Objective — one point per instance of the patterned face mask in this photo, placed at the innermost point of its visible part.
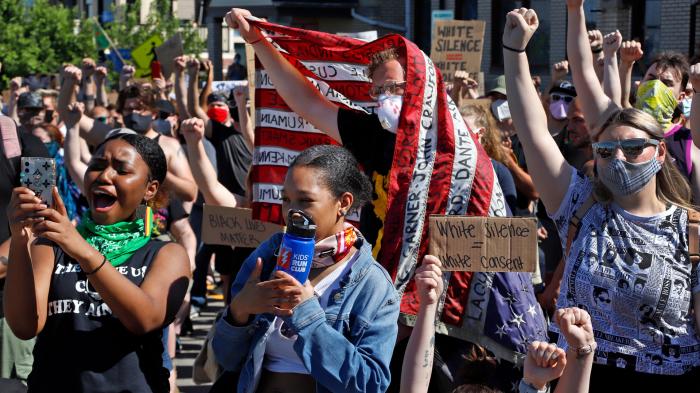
(627, 178)
(656, 99)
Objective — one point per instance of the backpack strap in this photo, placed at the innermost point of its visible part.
(575, 222)
(694, 236)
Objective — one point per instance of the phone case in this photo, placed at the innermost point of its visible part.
(39, 175)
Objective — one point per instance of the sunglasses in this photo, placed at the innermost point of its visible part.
(101, 119)
(631, 148)
(391, 88)
(567, 99)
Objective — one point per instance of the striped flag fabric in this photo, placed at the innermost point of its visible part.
(438, 168)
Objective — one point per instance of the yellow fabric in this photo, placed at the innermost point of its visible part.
(656, 99)
(381, 189)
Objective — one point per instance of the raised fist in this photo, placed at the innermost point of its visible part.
(429, 280)
(544, 363)
(180, 63)
(74, 114)
(595, 38)
(240, 94)
(560, 70)
(207, 65)
(192, 129)
(100, 74)
(521, 24)
(575, 324)
(631, 51)
(16, 83)
(611, 43)
(72, 74)
(88, 67)
(192, 66)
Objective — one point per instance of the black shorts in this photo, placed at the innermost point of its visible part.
(228, 260)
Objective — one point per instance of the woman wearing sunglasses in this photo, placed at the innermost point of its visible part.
(633, 224)
(333, 333)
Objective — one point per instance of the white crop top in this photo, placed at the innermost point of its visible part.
(280, 356)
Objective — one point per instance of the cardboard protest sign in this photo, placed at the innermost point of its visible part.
(144, 54)
(235, 227)
(167, 52)
(457, 45)
(484, 244)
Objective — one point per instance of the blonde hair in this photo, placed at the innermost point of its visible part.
(491, 136)
(671, 185)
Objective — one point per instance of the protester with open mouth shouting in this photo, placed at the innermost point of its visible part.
(98, 296)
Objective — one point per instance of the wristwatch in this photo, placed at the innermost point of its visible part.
(583, 350)
(527, 387)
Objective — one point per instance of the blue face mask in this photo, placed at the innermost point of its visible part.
(685, 107)
(52, 147)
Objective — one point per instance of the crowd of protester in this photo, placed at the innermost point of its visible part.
(100, 285)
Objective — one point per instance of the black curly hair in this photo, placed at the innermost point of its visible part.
(148, 149)
(340, 172)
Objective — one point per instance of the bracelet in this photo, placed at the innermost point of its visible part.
(256, 41)
(104, 260)
(584, 350)
(513, 49)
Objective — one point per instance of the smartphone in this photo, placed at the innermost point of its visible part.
(39, 175)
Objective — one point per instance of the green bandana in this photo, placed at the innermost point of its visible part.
(119, 241)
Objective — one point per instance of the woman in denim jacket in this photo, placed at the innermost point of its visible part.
(335, 333)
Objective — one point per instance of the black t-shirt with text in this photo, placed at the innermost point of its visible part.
(84, 347)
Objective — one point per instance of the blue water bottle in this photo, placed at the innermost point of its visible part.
(297, 249)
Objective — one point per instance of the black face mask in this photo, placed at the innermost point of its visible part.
(137, 122)
(48, 116)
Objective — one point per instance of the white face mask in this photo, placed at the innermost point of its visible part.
(389, 111)
(500, 109)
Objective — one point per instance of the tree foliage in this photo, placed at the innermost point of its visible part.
(40, 38)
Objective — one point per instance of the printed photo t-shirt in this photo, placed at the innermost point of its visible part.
(633, 276)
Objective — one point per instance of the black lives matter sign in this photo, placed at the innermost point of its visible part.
(457, 46)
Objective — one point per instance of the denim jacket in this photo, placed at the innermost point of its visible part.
(347, 347)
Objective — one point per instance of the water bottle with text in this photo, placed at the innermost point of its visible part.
(296, 252)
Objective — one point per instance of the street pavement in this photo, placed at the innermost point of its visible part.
(191, 346)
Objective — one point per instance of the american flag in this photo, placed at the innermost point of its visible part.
(438, 163)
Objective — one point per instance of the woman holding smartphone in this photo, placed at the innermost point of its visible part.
(98, 296)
